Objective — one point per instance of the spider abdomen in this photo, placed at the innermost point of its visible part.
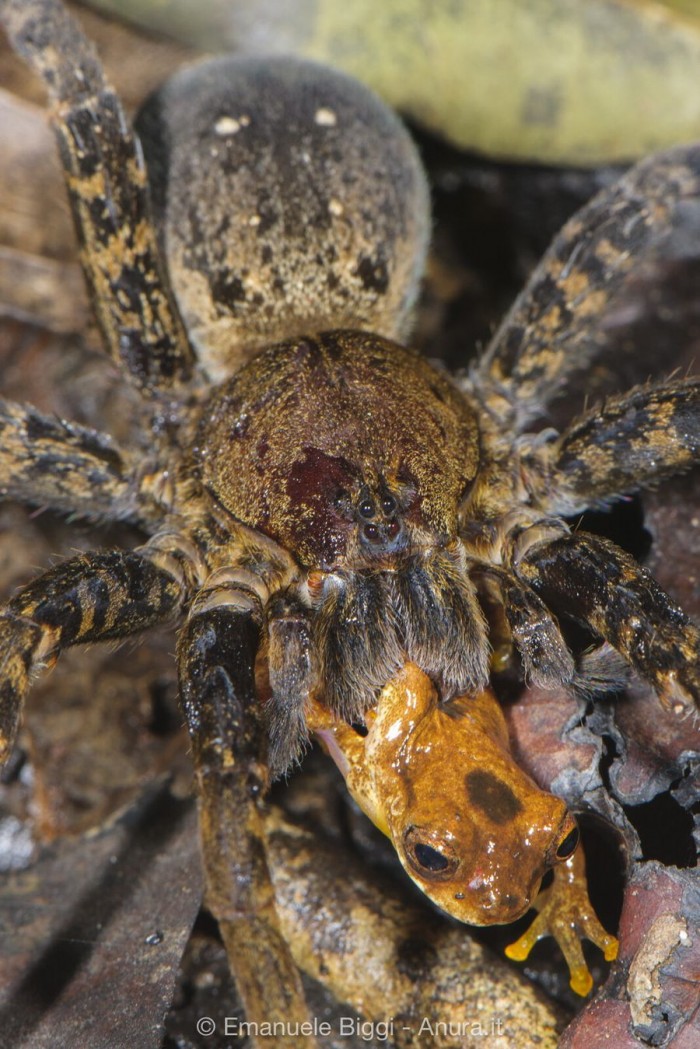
(290, 199)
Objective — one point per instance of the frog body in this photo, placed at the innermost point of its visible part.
(471, 828)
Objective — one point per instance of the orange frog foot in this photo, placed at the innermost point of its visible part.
(565, 912)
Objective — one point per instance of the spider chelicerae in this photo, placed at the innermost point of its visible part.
(323, 505)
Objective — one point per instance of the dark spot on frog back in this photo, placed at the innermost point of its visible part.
(492, 796)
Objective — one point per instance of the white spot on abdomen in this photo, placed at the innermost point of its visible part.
(230, 125)
(325, 117)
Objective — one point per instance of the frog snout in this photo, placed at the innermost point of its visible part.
(496, 907)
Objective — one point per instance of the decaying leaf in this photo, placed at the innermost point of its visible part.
(93, 933)
(556, 81)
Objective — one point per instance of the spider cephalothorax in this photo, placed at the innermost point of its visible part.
(365, 498)
(323, 509)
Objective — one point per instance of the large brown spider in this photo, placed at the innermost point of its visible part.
(326, 510)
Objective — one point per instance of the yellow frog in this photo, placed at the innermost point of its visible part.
(472, 830)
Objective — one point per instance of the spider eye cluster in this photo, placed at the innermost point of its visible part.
(387, 506)
(381, 529)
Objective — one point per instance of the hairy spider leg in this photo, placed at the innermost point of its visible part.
(292, 680)
(557, 326)
(216, 658)
(107, 187)
(593, 579)
(92, 597)
(630, 442)
(59, 465)
(545, 655)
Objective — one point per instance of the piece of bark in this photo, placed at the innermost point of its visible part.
(652, 996)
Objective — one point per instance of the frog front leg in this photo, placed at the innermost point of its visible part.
(566, 914)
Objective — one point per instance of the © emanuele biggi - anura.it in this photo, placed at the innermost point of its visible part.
(350, 537)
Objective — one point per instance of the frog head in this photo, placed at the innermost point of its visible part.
(472, 830)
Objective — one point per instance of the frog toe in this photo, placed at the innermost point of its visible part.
(566, 914)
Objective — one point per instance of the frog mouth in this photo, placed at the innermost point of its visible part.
(501, 908)
(347, 750)
(328, 739)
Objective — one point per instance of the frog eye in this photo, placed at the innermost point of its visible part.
(428, 855)
(567, 847)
